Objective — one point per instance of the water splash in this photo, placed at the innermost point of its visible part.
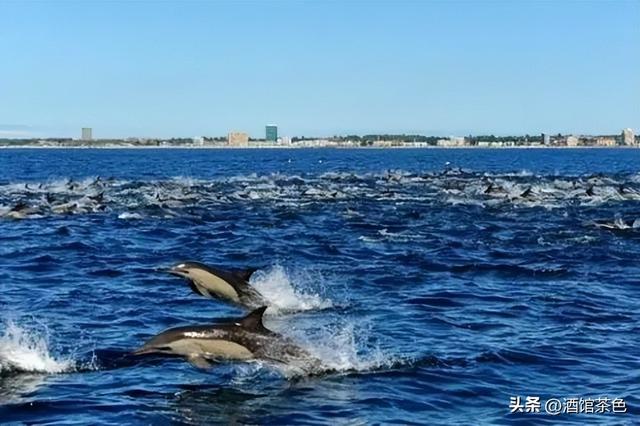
(345, 347)
(129, 216)
(276, 285)
(341, 347)
(24, 351)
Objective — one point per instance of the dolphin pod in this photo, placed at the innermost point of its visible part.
(175, 197)
(242, 339)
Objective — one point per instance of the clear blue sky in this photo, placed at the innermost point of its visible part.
(318, 68)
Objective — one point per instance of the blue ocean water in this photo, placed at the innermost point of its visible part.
(434, 284)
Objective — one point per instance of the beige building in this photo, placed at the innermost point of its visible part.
(628, 137)
(573, 141)
(606, 141)
(452, 141)
(238, 139)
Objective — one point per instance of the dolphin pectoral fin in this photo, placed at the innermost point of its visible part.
(196, 289)
(200, 361)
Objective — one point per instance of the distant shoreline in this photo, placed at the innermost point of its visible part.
(160, 147)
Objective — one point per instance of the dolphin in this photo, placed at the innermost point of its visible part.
(488, 188)
(618, 225)
(71, 185)
(228, 286)
(65, 208)
(49, 198)
(244, 339)
(526, 193)
(98, 198)
(20, 210)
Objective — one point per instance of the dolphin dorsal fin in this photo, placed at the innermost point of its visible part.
(253, 321)
(245, 274)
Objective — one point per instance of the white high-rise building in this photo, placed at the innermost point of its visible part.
(628, 138)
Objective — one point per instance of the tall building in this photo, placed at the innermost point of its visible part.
(271, 133)
(628, 137)
(546, 139)
(238, 139)
(87, 134)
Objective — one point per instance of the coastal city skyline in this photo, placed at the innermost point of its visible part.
(272, 139)
(430, 68)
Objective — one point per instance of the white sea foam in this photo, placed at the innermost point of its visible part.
(341, 347)
(341, 344)
(129, 216)
(397, 236)
(23, 351)
(276, 285)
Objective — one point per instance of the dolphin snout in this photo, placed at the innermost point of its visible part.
(178, 271)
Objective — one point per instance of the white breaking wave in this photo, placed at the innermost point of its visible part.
(276, 286)
(22, 351)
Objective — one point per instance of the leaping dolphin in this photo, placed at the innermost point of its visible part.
(618, 225)
(228, 286)
(242, 339)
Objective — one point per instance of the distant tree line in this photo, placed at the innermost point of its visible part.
(369, 139)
